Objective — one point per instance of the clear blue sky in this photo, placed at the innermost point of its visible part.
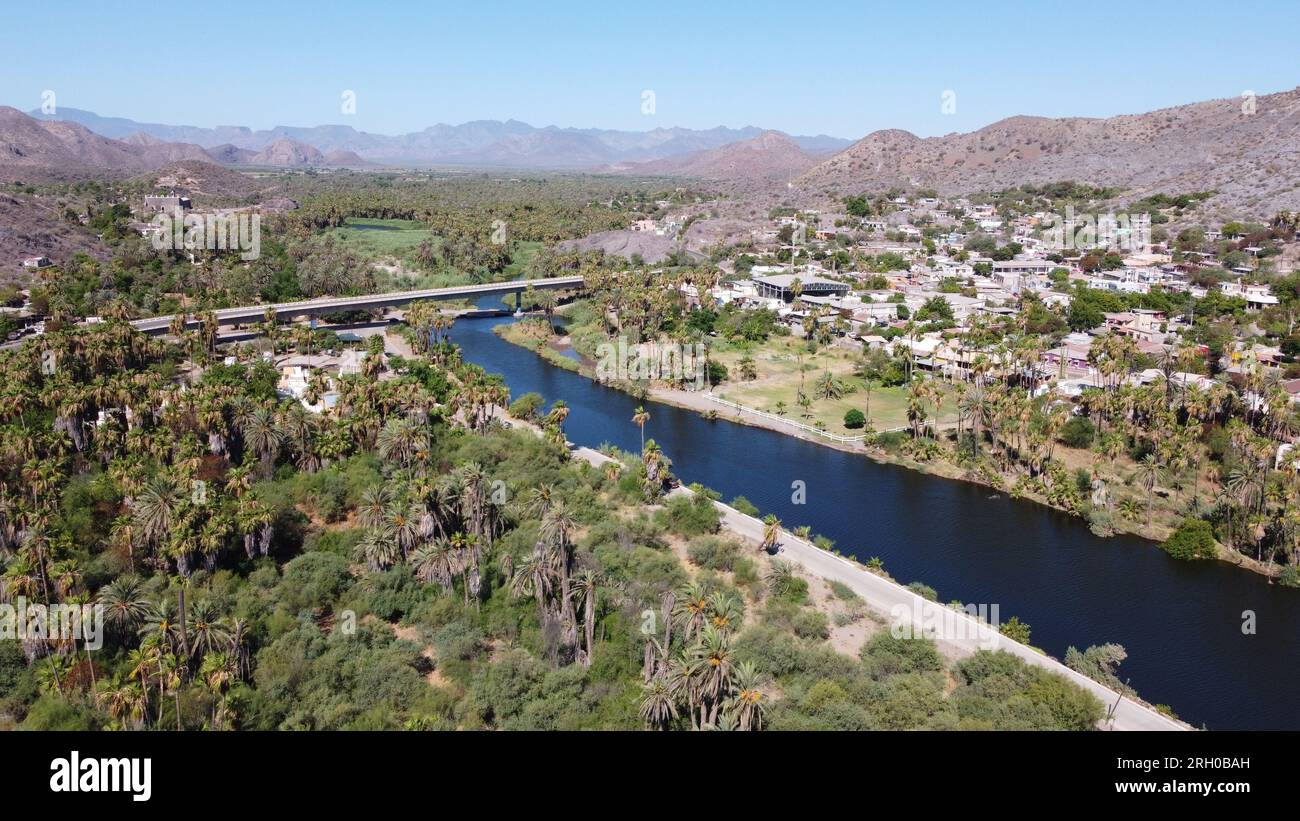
(842, 68)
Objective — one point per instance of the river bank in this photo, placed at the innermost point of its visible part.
(1180, 622)
(958, 634)
(553, 350)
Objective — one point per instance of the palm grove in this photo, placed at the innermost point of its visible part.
(404, 561)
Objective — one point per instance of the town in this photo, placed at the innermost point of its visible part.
(479, 370)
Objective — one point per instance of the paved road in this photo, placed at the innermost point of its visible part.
(885, 596)
(254, 313)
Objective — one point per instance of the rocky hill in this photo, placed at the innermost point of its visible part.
(287, 153)
(769, 156)
(29, 147)
(1251, 156)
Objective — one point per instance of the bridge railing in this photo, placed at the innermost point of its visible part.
(394, 296)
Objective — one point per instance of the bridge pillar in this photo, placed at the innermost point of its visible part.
(519, 302)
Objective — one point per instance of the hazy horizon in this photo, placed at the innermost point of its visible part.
(869, 67)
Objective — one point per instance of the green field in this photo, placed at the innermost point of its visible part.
(779, 361)
(376, 237)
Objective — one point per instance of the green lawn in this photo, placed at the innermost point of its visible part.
(387, 237)
(778, 362)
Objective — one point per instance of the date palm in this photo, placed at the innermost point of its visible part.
(400, 439)
(725, 611)
(125, 604)
(435, 562)
(658, 704)
(372, 511)
(208, 631)
(691, 609)
(380, 550)
(710, 662)
(746, 704)
(584, 590)
(156, 509)
(262, 435)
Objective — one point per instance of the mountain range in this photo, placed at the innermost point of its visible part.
(1247, 151)
(481, 143)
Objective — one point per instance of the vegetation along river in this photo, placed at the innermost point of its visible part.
(1181, 622)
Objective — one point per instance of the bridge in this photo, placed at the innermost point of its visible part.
(314, 307)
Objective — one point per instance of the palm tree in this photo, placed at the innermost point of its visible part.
(748, 370)
(771, 533)
(747, 702)
(709, 666)
(401, 439)
(691, 609)
(1150, 471)
(217, 675)
(379, 550)
(123, 700)
(829, 387)
(262, 434)
(639, 418)
(155, 510)
(557, 525)
(658, 704)
(584, 590)
(371, 512)
(172, 672)
(207, 629)
(124, 603)
(435, 562)
(780, 578)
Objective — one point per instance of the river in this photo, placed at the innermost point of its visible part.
(1181, 623)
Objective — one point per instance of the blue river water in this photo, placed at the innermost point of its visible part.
(1181, 623)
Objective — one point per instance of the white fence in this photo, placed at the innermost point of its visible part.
(801, 426)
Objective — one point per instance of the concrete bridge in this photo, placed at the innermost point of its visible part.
(249, 314)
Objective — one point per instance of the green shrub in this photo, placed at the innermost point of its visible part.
(854, 419)
(690, 515)
(1016, 630)
(892, 441)
(844, 592)
(1194, 539)
(1078, 432)
(745, 506)
(923, 590)
(1290, 576)
(713, 553)
(810, 624)
(525, 407)
(888, 655)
